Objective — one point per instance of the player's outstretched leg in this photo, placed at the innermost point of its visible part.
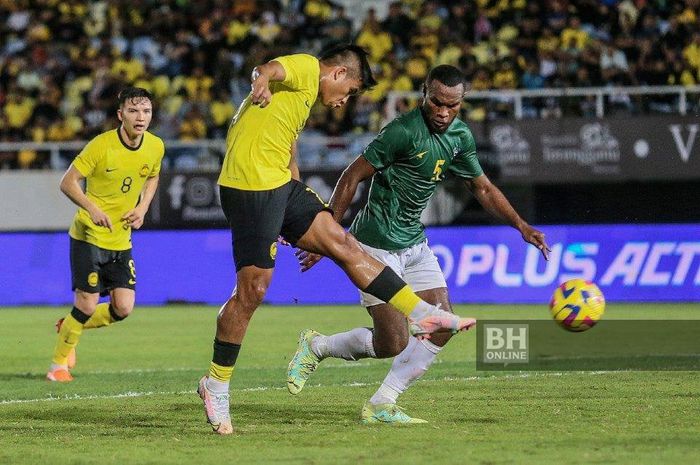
(328, 238)
(304, 362)
(216, 407)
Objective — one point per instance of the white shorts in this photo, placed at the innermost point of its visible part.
(416, 265)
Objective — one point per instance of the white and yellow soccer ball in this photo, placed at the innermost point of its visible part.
(577, 305)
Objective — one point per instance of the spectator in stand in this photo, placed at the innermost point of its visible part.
(60, 61)
(373, 38)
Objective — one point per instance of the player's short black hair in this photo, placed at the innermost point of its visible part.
(130, 92)
(446, 74)
(355, 58)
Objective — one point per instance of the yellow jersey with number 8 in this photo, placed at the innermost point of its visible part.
(259, 140)
(115, 175)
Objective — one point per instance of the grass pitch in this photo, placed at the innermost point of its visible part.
(133, 400)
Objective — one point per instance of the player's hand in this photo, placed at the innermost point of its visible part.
(260, 91)
(307, 259)
(283, 241)
(100, 218)
(134, 218)
(536, 238)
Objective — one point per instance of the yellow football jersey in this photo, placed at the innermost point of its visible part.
(115, 174)
(259, 140)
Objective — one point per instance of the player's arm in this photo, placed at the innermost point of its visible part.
(492, 199)
(342, 196)
(293, 166)
(260, 82)
(71, 186)
(345, 189)
(135, 216)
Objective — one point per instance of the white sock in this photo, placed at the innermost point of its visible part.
(408, 366)
(217, 387)
(350, 345)
(55, 366)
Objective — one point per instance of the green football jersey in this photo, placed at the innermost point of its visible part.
(410, 162)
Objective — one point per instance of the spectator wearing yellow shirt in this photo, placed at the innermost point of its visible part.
(429, 17)
(691, 53)
(574, 35)
(193, 126)
(129, 67)
(482, 80)
(417, 67)
(505, 76)
(548, 42)
(319, 10)
(17, 111)
(221, 111)
(198, 85)
(267, 28)
(427, 41)
(373, 39)
(238, 29)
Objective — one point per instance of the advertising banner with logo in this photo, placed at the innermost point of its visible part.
(585, 150)
(190, 200)
(630, 263)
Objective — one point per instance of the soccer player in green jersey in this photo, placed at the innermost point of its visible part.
(406, 161)
(121, 168)
(262, 198)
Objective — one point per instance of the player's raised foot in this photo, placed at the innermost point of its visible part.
(216, 407)
(71, 355)
(303, 363)
(59, 375)
(386, 413)
(437, 320)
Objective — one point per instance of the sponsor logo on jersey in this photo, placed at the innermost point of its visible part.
(420, 155)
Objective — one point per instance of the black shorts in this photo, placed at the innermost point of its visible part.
(258, 218)
(94, 269)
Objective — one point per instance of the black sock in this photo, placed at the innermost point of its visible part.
(114, 315)
(386, 285)
(225, 353)
(79, 315)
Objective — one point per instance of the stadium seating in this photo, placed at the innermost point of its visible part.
(62, 63)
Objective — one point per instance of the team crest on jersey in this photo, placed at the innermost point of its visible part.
(273, 250)
(145, 169)
(92, 279)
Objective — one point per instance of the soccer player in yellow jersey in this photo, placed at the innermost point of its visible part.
(262, 198)
(121, 169)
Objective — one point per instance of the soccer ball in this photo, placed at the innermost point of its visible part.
(577, 305)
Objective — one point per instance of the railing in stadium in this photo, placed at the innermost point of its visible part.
(519, 96)
(335, 152)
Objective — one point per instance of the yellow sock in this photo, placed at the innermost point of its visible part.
(220, 373)
(68, 337)
(405, 300)
(101, 317)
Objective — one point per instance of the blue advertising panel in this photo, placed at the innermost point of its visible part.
(482, 264)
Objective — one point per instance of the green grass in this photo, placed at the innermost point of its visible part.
(133, 401)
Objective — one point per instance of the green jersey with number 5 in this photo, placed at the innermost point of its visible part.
(410, 161)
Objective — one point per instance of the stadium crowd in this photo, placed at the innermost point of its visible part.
(63, 61)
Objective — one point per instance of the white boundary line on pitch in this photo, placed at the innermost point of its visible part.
(129, 394)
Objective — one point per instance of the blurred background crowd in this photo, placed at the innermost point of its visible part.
(62, 62)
